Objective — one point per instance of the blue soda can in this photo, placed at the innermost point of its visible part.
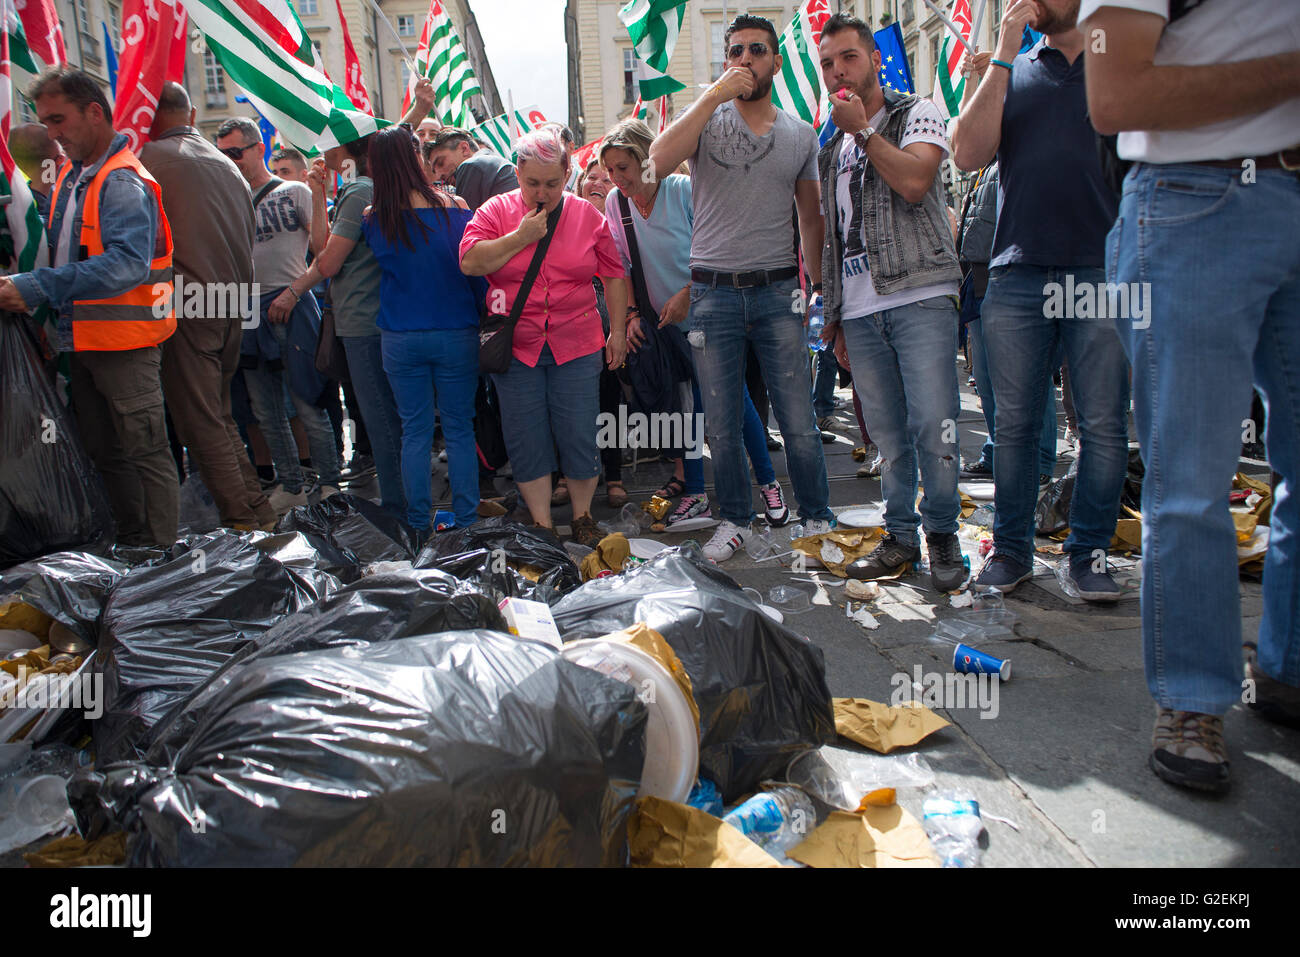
(968, 660)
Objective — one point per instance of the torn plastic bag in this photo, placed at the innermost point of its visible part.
(470, 748)
(378, 608)
(475, 554)
(69, 587)
(1052, 513)
(167, 627)
(51, 497)
(352, 527)
(760, 687)
(198, 510)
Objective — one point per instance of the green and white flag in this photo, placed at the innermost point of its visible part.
(264, 48)
(653, 26)
(24, 233)
(797, 87)
(24, 66)
(496, 131)
(442, 58)
(949, 84)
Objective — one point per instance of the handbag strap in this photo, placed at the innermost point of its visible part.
(271, 184)
(639, 292)
(535, 266)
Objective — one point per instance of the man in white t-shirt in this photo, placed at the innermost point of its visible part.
(890, 279)
(1205, 96)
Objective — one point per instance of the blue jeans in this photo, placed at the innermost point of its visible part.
(379, 409)
(980, 369)
(765, 316)
(1022, 340)
(434, 373)
(551, 406)
(266, 394)
(755, 437)
(827, 371)
(905, 370)
(1223, 262)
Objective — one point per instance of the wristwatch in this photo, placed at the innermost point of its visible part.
(861, 137)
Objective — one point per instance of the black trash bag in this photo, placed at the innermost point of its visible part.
(761, 688)
(1132, 492)
(470, 748)
(51, 497)
(353, 527)
(70, 587)
(198, 510)
(474, 554)
(167, 627)
(377, 608)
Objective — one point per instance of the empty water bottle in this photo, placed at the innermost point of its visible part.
(816, 322)
(952, 822)
(775, 820)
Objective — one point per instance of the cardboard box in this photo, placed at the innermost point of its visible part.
(530, 619)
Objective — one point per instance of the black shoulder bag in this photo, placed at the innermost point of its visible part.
(496, 333)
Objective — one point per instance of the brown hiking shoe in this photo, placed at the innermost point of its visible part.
(583, 530)
(1187, 749)
(1274, 700)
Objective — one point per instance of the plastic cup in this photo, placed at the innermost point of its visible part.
(968, 660)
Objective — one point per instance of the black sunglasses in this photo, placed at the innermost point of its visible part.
(235, 152)
(737, 50)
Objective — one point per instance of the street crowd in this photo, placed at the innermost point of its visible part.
(1130, 230)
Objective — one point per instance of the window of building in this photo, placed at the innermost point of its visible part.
(994, 14)
(717, 55)
(406, 25)
(214, 78)
(405, 73)
(115, 24)
(934, 50)
(307, 7)
(629, 75)
(89, 42)
(907, 11)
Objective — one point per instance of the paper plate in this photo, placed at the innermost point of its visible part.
(692, 524)
(645, 548)
(977, 491)
(868, 517)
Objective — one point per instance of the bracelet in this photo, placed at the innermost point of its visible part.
(1001, 63)
(296, 297)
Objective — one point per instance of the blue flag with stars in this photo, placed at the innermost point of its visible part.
(895, 72)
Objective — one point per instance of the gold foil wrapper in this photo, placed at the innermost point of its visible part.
(657, 507)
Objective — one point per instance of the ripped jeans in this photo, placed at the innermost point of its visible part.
(904, 364)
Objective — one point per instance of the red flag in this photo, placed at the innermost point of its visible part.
(176, 65)
(152, 30)
(354, 84)
(44, 32)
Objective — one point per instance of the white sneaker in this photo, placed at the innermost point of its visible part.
(726, 541)
(774, 504)
(282, 501)
(818, 526)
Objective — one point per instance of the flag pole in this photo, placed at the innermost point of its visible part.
(947, 23)
(514, 120)
(979, 20)
(406, 54)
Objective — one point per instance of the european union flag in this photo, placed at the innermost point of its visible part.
(110, 52)
(263, 124)
(895, 73)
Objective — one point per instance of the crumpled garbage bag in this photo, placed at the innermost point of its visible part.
(761, 688)
(470, 748)
(505, 556)
(51, 496)
(167, 627)
(1052, 513)
(378, 608)
(350, 532)
(67, 587)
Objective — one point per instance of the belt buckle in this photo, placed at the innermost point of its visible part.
(740, 279)
(1281, 158)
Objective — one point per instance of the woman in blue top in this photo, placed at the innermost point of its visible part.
(428, 318)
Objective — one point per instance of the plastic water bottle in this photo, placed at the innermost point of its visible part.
(775, 820)
(816, 322)
(952, 822)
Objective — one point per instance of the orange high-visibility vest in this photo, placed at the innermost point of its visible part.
(142, 316)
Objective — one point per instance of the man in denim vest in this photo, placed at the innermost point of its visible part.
(890, 277)
(1046, 291)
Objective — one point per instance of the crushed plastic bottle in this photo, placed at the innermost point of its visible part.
(952, 822)
(816, 322)
(775, 820)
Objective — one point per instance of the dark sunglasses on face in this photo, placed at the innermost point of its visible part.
(235, 152)
(737, 50)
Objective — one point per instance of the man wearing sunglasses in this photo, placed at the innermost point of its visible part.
(750, 164)
(283, 211)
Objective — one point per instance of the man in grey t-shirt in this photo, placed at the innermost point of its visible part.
(453, 157)
(752, 164)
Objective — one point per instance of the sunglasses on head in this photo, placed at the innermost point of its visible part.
(235, 152)
(737, 50)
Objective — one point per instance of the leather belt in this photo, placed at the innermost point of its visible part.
(744, 280)
(1282, 159)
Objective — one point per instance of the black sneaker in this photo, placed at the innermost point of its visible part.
(773, 443)
(1092, 585)
(980, 468)
(1003, 573)
(885, 561)
(947, 568)
(1187, 749)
